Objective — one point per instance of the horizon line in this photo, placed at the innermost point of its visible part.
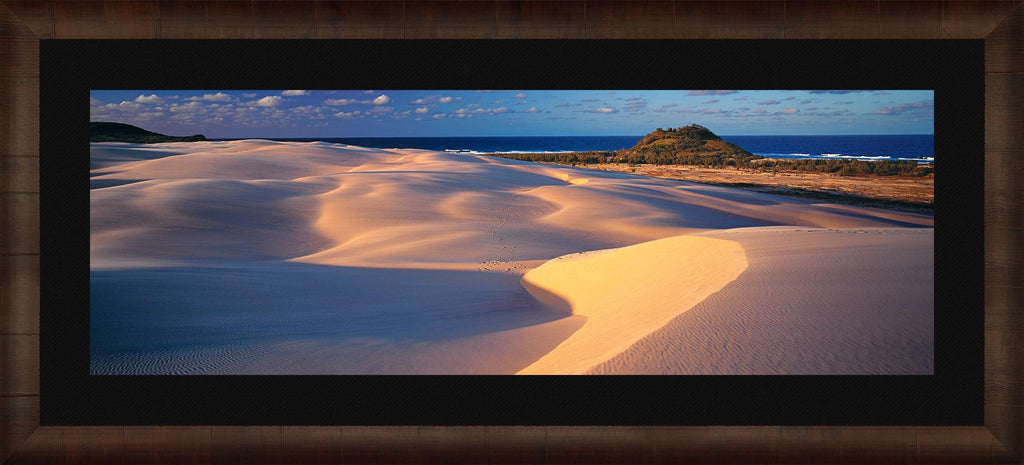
(563, 135)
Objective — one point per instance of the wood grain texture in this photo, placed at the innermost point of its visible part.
(167, 444)
(19, 47)
(1005, 45)
(359, 20)
(19, 116)
(910, 20)
(451, 19)
(1006, 423)
(943, 444)
(1004, 384)
(692, 19)
(19, 174)
(746, 19)
(19, 294)
(507, 445)
(807, 19)
(246, 444)
(22, 413)
(451, 444)
(1004, 193)
(854, 20)
(19, 223)
(963, 19)
(205, 19)
(1004, 257)
(550, 19)
(108, 19)
(809, 444)
(42, 448)
(1004, 95)
(1004, 309)
(278, 19)
(874, 444)
(36, 15)
(717, 444)
(311, 444)
(598, 445)
(379, 444)
(23, 22)
(19, 362)
(606, 19)
(93, 445)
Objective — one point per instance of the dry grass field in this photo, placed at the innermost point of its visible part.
(901, 193)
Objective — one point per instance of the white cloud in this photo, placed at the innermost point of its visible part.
(293, 93)
(248, 95)
(519, 95)
(381, 100)
(340, 101)
(438, 116)
(435, 98)
(790, 111)
(94, 101)
(604, 110)
(349, 115)
(268, 101)
(218, 97)
(769, 102)
(152, 98)
(486, 111)
(922, 108)
(420, 110)
(190, 107)
(532, 110)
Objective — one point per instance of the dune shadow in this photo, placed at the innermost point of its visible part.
(149, 310)
(101, 183)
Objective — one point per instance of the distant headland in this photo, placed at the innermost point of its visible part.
(101, 131)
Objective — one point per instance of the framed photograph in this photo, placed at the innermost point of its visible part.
(112, 382)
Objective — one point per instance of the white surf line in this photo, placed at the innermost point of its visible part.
(628, 293)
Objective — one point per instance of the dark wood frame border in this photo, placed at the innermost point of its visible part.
(24, 22)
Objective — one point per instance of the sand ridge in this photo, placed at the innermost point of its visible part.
(398, 222)
(628, 293)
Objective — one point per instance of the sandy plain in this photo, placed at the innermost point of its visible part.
(264, 257)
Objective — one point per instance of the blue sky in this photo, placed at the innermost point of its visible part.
(425, 113)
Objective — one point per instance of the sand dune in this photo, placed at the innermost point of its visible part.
(254, 256)
(812, 302)
(672, 274)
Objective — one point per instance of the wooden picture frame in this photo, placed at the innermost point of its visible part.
(23, 23)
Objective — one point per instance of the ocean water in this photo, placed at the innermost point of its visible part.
(919, 147)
